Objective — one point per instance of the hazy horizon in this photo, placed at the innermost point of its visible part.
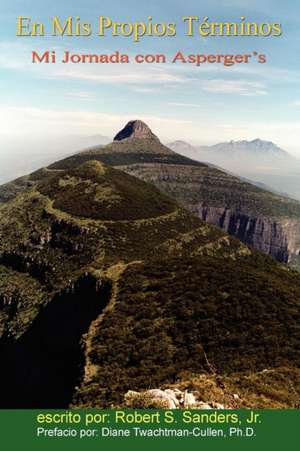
(24, 155)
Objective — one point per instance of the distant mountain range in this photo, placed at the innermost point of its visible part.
(255, 148)
(257, 160)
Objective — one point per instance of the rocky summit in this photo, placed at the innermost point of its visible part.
(107, 286)
(135, 130)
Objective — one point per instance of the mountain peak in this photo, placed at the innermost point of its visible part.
(254, 147)
(135, 129)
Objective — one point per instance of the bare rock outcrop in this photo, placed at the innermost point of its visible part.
(135, 130)
(168, 399)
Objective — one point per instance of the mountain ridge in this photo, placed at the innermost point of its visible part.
(263, 219)
(256, 145)
(108, 285)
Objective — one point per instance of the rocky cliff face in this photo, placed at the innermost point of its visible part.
(291, 230)
(262, 233)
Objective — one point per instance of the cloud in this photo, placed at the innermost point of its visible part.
(185, 105)
(239, 87)
(130, 74)
(13, 55)
(82, 95)
(50, 122)
(111, 74)
(146, 78)
(147, 90)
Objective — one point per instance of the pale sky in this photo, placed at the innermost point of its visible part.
(202, 105)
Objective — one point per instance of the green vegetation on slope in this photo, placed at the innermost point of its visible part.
(174, 314)
(181, 289)
(99, 192)
(69, 222)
